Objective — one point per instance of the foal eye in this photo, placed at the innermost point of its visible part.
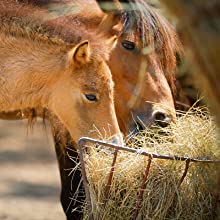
(129, 45)
(91, 97)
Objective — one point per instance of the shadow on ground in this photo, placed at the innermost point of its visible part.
(29, 178)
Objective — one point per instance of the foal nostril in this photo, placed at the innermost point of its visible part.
(162, 119)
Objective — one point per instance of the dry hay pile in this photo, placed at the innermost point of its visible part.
(194, 135)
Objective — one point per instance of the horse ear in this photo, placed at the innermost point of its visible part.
(111, 22)
(81, 53)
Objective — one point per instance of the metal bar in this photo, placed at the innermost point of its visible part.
(81, 144)
(108, 186)
(142, 152)
(141, 191)
(184, 173)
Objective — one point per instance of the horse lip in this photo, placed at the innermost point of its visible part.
(142, 120)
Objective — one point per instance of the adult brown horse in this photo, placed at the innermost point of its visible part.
(138, 28)
(146, 46)
(40, 67)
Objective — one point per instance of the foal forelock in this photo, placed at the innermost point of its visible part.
(155, 33)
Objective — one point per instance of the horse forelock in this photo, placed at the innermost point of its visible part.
(155, 33)
(28, 21)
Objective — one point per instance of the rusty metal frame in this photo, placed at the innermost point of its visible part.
(81, 146)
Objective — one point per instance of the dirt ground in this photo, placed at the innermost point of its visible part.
(29, 178)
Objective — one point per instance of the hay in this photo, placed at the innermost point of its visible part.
(193, 135)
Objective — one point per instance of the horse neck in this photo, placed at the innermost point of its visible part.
(27, 71)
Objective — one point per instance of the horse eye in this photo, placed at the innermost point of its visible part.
(129, 45)
(91, 97)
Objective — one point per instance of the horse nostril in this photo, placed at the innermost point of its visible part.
(162, 119)
(160, 116)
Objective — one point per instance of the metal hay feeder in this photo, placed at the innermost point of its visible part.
(81, 146)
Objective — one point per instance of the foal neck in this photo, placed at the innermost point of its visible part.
(28, 69)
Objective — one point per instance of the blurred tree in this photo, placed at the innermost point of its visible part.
(198, 23)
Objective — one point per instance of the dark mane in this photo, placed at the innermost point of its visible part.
(27, 21)
(153, 31)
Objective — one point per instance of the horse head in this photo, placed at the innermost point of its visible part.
(144, 60)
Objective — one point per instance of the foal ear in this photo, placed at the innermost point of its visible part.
(81, 53)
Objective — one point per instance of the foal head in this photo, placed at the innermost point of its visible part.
(83, 96)
(57, 67)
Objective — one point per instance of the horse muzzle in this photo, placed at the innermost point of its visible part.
(159, 117)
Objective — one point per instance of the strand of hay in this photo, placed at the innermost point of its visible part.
(194, 135)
